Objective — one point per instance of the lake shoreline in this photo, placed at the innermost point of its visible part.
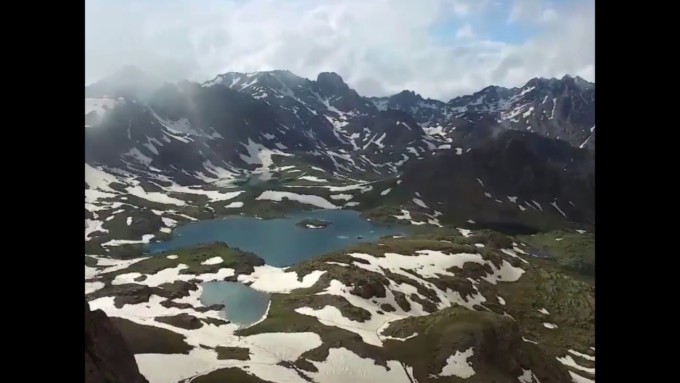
(278, 240)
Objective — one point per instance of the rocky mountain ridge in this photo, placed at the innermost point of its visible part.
(223, 125)
(267, 127)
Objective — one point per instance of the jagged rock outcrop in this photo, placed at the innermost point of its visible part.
(108, 358)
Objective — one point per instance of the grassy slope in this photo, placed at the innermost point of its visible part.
(569, 301)
(242, 262)
(569, 251)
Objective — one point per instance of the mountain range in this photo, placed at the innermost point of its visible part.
(243, 125)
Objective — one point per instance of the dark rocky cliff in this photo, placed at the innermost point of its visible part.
(108, 358)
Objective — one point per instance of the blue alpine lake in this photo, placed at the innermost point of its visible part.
(280, 242)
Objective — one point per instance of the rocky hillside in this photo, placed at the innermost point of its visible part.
(494, 185)
(108, 358)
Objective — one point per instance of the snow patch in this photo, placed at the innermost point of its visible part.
(213, 195)
(272, 279)
(458, 365)
(345, 197)
(527, 375)
(579, 379)
(405, 214)
(420, 203)
(138, 191)
(342, 366)
(212, 261)
(313, 179)
(302, 198)
(554, 204)
(259, 154)
(91, 287)
(582, 355)
(117, 242)
(570, 362)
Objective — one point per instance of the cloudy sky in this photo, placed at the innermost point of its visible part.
(438, 48)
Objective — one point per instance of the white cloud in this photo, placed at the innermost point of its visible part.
(465, 32)
(379, 46)
(532, 11)
(567, 46)
(548, 15)
(462, 8)
(526, 10)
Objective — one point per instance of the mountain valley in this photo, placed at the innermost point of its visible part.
(487, 273)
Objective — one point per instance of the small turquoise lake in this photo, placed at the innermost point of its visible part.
(280, 242)
(243, 306)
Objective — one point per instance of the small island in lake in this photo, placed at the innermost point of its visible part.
(313, 223)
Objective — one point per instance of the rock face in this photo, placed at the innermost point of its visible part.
(107, 357)
(368, 289)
